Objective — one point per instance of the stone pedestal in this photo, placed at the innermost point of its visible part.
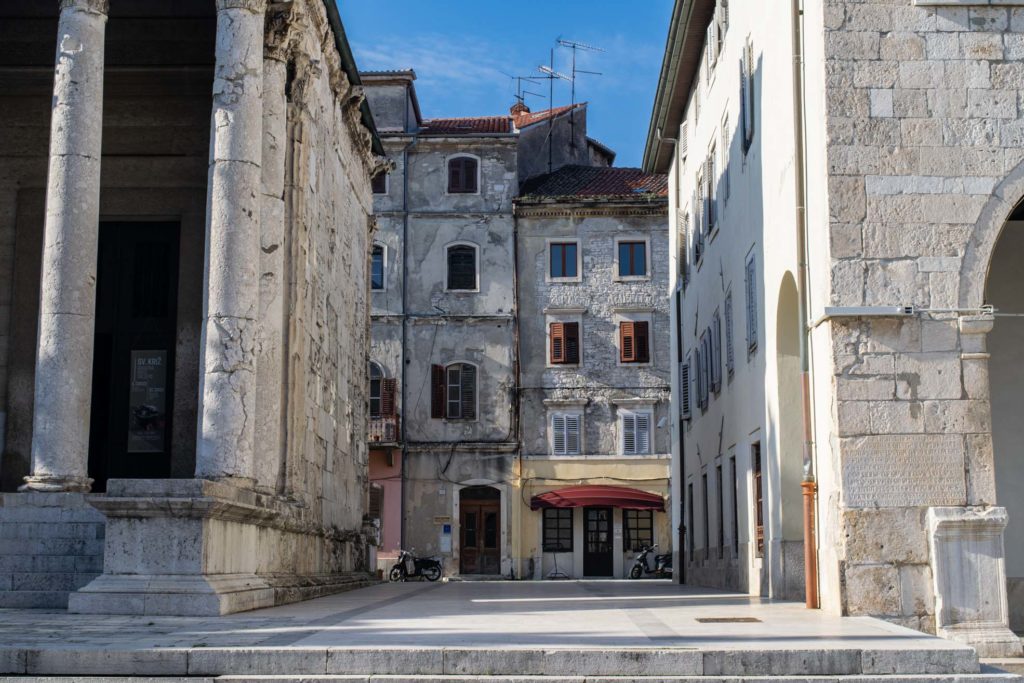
(192, 547)
(969, 573)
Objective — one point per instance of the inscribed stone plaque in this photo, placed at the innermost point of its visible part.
(904, 471)
(147, 415)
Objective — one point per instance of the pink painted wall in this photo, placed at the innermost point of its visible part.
(389, 478)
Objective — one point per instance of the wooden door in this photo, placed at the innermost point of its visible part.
(480, 537)
(597, 542)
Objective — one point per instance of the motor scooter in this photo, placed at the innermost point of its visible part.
(662, 563)
(409, 566)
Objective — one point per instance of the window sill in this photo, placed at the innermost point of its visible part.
(461, 291)
(632, 278)
(563, 280)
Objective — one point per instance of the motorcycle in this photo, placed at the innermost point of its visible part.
(409, 566)
(662, 563)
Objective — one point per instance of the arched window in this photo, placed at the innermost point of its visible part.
(462, 267)
(462, 175)
(377, 267)
(453, 391)
(376, 378)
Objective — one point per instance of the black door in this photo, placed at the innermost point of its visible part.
(597, 542)
(133, 364)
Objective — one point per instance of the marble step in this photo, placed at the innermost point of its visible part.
(925, 678)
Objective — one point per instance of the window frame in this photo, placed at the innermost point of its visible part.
(633, 317)
(558, 515)
(387, 184)
(448, 266)
(648, 265)
(383, 266)
(552, 242)
(628, 541)
(446, 369)
(555, 414)
(447, 174)
(623, 414)
(549, 333)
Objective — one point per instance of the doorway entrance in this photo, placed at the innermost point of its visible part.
(598, 553)
(479, 530)
(133, 362)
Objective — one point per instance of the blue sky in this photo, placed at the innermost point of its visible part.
(464, 50)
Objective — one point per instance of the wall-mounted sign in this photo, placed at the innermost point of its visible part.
(446, 538)
(147, 402)
(442, 519)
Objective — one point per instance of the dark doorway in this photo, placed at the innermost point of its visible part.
(480, 531)
(597, 542)
(133, 365)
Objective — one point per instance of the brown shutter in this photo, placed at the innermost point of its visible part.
(627, 347)
(469, 175)
(388, 391)
(437, 391)
(558, 343)
(641, 341)
(572, 343)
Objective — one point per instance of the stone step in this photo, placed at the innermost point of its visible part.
(387, 678)
(1013, 665)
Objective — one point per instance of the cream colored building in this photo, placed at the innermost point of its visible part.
(841, 175)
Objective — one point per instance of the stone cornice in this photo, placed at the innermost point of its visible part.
(255, 6)
(610, 207)
(93, 6)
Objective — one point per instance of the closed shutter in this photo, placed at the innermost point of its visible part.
(725, 159)
(437, 391)
(716, 351)
(711, 47)
(684, 238)
(751, 305)
(641, 341)
(376, 501)
(642, 427)
(684, 139)
(744, 95)
(748, 93)
(557, 343)
(572, 434)
(627, 345)
(558, 434)
(723, 15)
(572, 342)
(468, 392)
(462, 267)
(710, 179)
(388, 392)
(455, 175)
(684, 390)
(729, 354)
(629, 433)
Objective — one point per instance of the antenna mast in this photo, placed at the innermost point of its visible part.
(574, 46)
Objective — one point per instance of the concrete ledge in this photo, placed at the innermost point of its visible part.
(562, 662)
(251, 661)
(401, 661)
(960, 660)
(163, 662)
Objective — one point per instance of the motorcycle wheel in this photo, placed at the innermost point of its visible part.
(635, 572)
(432, 573)
(396, 574)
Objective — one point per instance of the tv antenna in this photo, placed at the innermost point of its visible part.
(521, 91)
(576, 46)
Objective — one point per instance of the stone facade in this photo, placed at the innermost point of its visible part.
(909, 158)
(273, 322)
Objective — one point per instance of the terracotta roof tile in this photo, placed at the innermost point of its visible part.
(467, 125)
(527, 118)
(587, 181)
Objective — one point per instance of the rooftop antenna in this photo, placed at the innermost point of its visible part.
(522, 92)
(574, 46)
(550, 73)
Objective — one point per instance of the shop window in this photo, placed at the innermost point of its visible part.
(557, 530)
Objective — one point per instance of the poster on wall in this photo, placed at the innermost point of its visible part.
(147, 402)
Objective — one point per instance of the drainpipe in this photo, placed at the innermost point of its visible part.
(809, 484)
(405, 302)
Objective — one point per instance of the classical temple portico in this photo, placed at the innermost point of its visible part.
(197, 385)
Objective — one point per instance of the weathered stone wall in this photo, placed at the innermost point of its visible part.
(568, 144)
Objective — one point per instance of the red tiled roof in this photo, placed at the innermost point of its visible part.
(467, 125)
(528, 118)
(588, 181)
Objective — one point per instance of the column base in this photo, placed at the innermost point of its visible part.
(992, 641)
(46, 484)
(191, 547)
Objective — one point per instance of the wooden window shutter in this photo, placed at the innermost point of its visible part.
(468, 392)
(641, 341)
(388, 392)
(454, 175)
(572, 434)
(729, 354)
(684, 390)
(642, 428)
(684, 139)
(469, 175)
(376, 502)
(558, 434)
(627, 346)
(558, 343)
(571, 337)
(437, 391)
(629, 434)
(716, 351)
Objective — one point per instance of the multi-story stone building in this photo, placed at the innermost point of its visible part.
(592, 255)
(184, 305)
(843, 184)
(445, 464)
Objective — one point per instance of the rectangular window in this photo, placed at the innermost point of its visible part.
(735, 488)
(379, 183)
(565, 433)
(636, 433)
(639, 529)
(565, 343)
(453, 392)
(562, 258)
(377, 268)
(730, 360)
(557, 530)
(720, 506)
(462, 267)
(707, 521)
(751, 285)
(755, 455)
(634, 341)
(632, 259)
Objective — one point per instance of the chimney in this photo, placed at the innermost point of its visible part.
(519, 108)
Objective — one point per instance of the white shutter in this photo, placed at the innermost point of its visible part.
(729, 356)
(751, 304)
(711, 48)
(723, 15)
(716, 352)
(747, 66)
(684, 140)
(725, 159)
(572, 434)
(628, 433)
(684, 390)
(642, 424)
(558, 434)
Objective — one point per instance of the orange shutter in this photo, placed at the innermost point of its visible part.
(627, 345)
(558, 343)
(388, 391)
(437, 391)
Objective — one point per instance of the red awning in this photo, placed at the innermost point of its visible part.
(610, 496)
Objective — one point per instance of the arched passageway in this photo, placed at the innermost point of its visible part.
(789, 429)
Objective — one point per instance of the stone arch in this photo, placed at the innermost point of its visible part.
(977, 258)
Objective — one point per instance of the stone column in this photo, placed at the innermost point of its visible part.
(228, 381)
(67, 310)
